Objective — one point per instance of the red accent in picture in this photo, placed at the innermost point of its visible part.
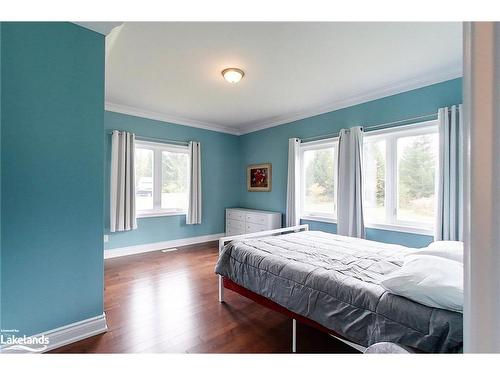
(259, 177)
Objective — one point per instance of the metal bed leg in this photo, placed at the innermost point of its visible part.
(294, 336)
(221, 289)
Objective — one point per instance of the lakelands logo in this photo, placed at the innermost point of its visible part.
(12, 343)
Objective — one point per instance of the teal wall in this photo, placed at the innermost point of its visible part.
(52, 158)
(271, 145)
(221, 180)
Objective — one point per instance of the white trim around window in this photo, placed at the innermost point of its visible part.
(157, 149)
(401, 228)
(319, 219)
(391, 136)
(311, 146)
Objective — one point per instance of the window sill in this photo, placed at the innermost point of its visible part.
(401, 228)
(319, 218)
(142, 215)
(389, 227)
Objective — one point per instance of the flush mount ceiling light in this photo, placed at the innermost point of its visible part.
(233, 75)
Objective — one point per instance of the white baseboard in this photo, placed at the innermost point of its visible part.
(63, 335)
(155, 246)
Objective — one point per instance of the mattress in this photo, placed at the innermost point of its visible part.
(335, 281)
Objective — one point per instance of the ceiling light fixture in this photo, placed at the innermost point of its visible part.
(233, 75)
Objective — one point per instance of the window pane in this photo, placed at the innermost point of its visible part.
(374, 181)
(319, 181)
(417, 158)
(174, 181)
(143, 179)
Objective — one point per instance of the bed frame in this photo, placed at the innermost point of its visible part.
(231, 285)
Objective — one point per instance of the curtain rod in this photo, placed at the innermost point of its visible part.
(372, 127)
(160, 140)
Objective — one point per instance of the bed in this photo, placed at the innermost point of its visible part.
(332, 282)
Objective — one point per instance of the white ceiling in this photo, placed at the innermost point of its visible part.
(172, 71)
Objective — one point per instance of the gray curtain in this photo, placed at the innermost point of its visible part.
(349, 183)
(449, 218)
(293, 183)
(122, 182)
(194, 208)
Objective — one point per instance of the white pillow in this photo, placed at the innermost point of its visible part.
(453, 250)
(430, 280)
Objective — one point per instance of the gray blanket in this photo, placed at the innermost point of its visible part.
(335, 281)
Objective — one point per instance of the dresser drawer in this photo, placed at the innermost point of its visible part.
(244, 220)
(235, 215)
(230, 231)
(235, 224)
(250, 228)
(257, 219)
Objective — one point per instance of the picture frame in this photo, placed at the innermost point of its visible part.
(259, 177)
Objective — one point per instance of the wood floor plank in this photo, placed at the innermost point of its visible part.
(167, 303)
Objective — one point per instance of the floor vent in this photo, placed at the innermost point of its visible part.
(168, 250)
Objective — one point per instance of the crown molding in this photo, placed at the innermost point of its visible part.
(103, 28)
(159, 116)
(389, 90)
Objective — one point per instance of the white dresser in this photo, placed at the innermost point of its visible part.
(243, 220)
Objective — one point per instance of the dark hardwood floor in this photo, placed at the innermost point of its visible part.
(167, 302)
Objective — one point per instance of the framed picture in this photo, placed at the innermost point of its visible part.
(259, 177)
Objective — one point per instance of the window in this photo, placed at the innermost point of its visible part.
(374, 168)
(144, 179)
(400, 168)
(161, 179)
(319, 179)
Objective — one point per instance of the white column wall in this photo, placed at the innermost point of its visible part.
(482, 190)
